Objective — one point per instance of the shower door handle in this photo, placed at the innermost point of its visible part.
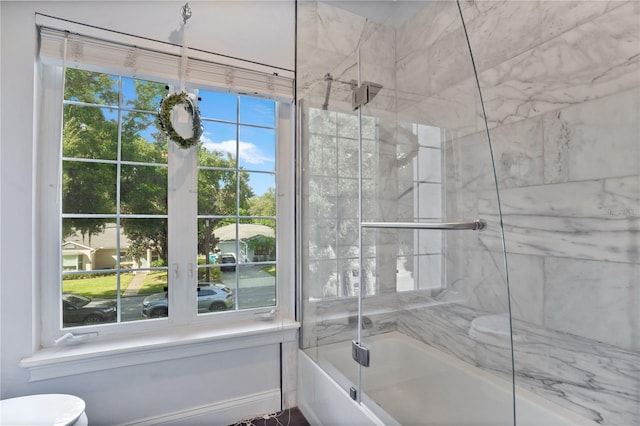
(476, 225)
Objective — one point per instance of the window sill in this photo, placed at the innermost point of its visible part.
(61, 361)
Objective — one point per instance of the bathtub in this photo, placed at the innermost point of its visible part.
(411, 383)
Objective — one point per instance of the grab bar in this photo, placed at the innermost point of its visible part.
(476, 225)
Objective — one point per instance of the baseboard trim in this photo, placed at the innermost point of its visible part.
(219, 413)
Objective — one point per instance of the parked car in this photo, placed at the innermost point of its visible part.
(218, 285)
(226, 259)
(212, 297)
(77, 310)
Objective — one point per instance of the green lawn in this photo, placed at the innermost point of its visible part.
(271, 269)
(103, 286)
(154, 282)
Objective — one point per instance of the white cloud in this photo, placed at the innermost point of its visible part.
(249, 152)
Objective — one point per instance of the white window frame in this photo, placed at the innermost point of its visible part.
(183, 314)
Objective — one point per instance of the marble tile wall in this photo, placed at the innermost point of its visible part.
(563, 107)
(562, 101)
(596, 380)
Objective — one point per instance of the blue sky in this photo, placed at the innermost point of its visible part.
(256, 144)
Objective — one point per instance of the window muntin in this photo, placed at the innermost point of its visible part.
(115, 169)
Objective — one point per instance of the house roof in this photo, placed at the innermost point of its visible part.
(104, 240)
(245, 231)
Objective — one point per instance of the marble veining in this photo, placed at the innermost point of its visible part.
(596, 139)
(609, 291)
(593, 379)
(595, 59)
(593, 219)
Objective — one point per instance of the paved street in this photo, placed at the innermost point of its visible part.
(256, 288)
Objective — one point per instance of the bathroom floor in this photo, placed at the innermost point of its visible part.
(291, 417)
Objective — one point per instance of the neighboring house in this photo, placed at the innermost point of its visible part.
(250, 238)
(99, 252)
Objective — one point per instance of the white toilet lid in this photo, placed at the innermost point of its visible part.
(44, 409)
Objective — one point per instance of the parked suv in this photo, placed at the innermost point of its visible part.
(226, 259)
(212, 297)
(78, 309)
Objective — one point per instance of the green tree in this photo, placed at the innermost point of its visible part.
(90, 132)
(217, 195)
(264, 205)
(262, 246)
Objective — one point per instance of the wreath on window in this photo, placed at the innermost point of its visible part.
(164, 119)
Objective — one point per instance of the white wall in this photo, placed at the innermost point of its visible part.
(241, 29)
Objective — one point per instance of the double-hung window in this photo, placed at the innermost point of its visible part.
(138, 233)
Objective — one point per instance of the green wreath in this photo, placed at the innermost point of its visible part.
(164, 119)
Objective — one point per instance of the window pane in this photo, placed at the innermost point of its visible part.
(156, 305)
(143, 190)
(90, 132)
(90, 87)
(218, 262)
(216, 192)
(369, 128)
(257, 286)
(322, 122)
(322, 155)
(263, 204)
(347, 202)
(209, 254)
(89, 244)
(348, 125)
(145, 296)
(258, 240)
(88, 187)
(261, 112)
(225, 237)
(141, 140)
(347, 157)
(210, 273)
(89, 299)
(369, 158)
(141, 94)
(218, 147)
(257, 148)
(260, 185)
(144, 242)
(214, 297)
(217, 105)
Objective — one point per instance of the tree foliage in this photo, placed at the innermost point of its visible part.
(264, 205)
(95, 134)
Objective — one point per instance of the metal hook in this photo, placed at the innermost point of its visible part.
(186, 13)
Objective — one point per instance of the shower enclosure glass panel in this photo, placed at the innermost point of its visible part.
(329, 223)
(392, 134)
(428, 137)
(561, 95)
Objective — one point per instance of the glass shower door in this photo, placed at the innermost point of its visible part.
(329, 131)
(434, 336)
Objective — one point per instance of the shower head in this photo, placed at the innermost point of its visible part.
(364, 94)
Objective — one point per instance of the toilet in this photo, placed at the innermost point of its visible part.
(44, 409)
